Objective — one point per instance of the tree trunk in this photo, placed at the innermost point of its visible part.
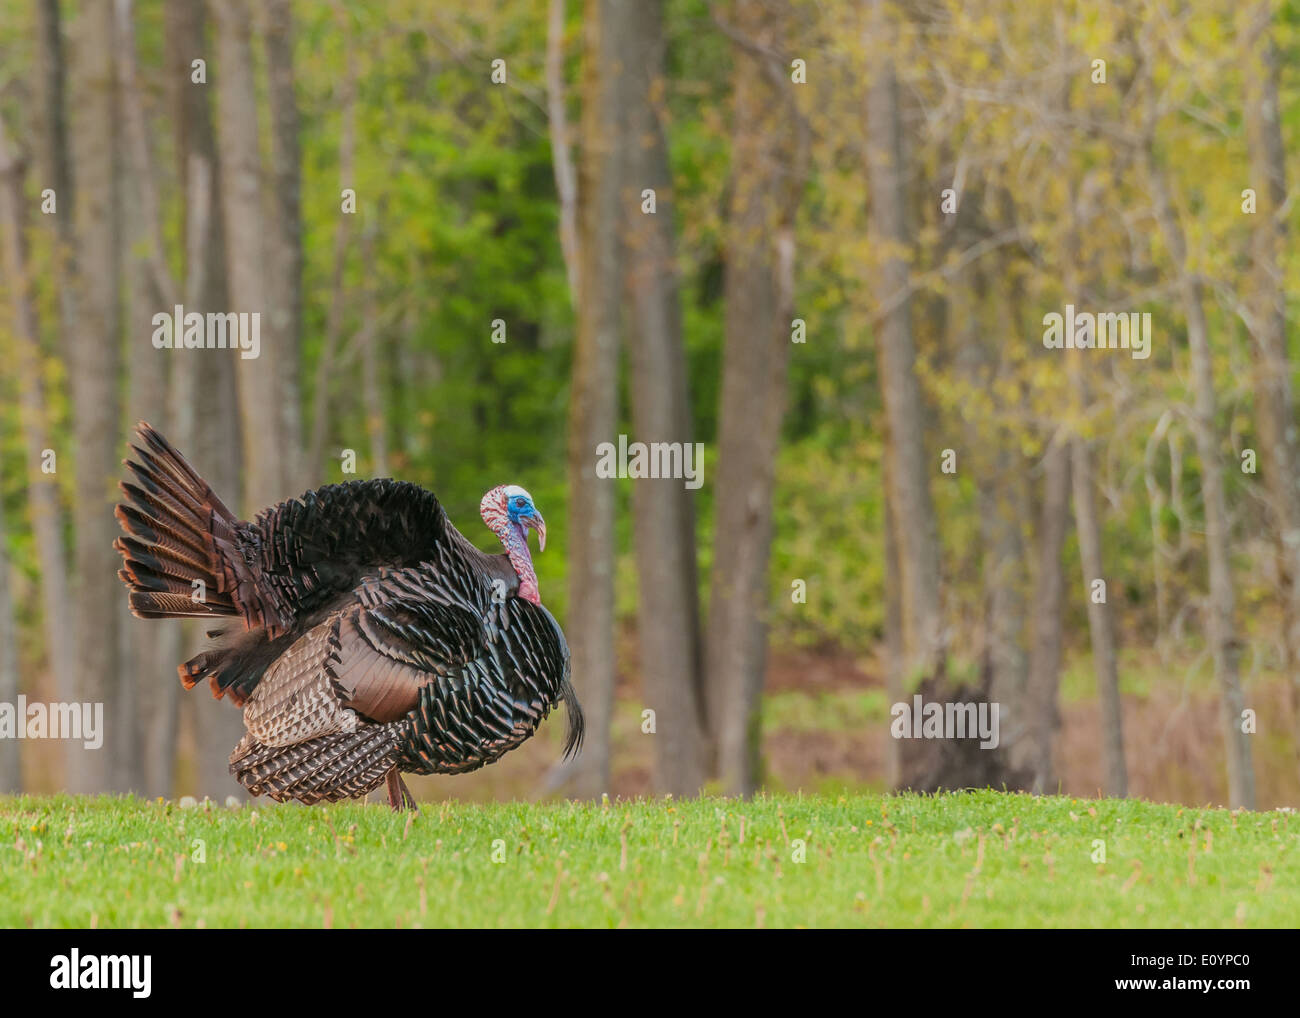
(1275, 400)
(93, 369)
(57, 171)
(1049, 602)
(975, 354)
(1003, 501)
(150, 649)
(260, 391)
(56, 167)
(284, 250)
(1100, 623)
(44, 506)
(144, 214)
(974, 298)
(204, 393)
(1220, 605)
(55, 157)
(371, 390)
(768, 158)
(1003, 568)
(593, 408)
(924, 638)
(11, 764)
(1009, 529)
(668, 619)
(895, 663)
(370, 340)
(56, 162)
(566, 176)
(158, 646)
(325, 365)
(47, 523)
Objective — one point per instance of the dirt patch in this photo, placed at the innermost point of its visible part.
(1173, 743)
(822, 670)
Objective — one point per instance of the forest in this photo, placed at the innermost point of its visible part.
(855, 351)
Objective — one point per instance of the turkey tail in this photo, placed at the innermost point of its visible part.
(170, 519)
(577, 725)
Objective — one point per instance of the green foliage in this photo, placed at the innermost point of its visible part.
(828, 500)
(840, 711)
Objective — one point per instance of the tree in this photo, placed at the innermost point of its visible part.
(45, 510)
(325, 366)
(55, 157)
(260, 390)
(284, 248)
(1049, 609)
(566, 175)
(1100, 625)
(1220, 604)
(909, 492)
(768, 158)
(93, 368)
(983, 308)
(11, 765)
(149, 652)
(593, 407)
(1275, 413)
(203, 386)
(664, 510)
(895, 665)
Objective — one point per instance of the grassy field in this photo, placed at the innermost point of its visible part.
(972, 859)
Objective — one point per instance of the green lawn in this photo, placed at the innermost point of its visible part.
(973, 859)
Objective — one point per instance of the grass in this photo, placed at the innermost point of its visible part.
(839, 710)
(971, 859)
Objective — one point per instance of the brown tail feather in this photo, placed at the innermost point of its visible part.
(168, 519)
(147, 604)
(178, 467)
(161, 558)
(154, 531)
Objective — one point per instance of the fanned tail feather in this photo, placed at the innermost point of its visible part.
(169, 519)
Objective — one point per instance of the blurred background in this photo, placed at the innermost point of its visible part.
(819, 238)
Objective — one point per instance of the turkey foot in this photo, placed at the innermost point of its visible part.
(399, 796)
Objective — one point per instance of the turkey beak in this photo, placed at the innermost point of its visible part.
(536, 522)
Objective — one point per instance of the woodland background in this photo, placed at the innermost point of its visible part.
(798, 153)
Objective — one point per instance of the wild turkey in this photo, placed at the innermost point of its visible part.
(376, 639)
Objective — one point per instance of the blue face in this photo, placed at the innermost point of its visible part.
(519, 504)
(523, 514)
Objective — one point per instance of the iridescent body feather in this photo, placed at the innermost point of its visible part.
(372, 637)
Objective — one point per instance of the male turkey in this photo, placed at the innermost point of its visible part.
(375, 638)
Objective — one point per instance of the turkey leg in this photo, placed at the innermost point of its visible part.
(399, 796)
